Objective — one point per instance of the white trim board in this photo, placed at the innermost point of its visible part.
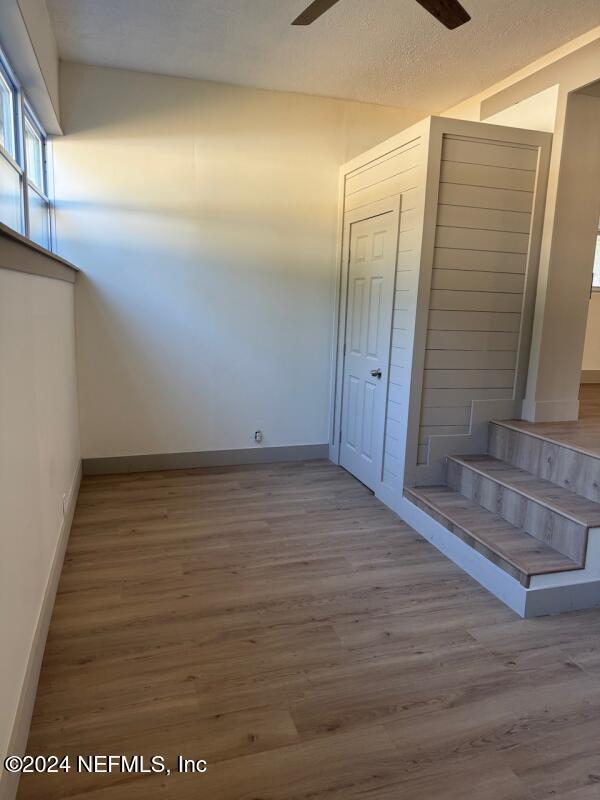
(550, 410)
(590, 375)
(543, 597)
(9, 782)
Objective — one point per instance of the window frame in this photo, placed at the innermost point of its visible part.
(8, 78)
(596, 286)
(22, 110)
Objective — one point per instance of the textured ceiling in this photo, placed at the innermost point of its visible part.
(381, 51)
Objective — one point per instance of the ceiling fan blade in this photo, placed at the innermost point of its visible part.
(314, 11)
(449, 12)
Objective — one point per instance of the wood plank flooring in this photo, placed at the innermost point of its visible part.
(583, 435)
(281, 623)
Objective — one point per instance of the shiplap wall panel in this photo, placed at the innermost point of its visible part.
(451, 415)
(479, 260)
(476, 281)
(488, 177)
(488, 341)
(483, 321)
(455, 194)
(399, 184)
(442, 398)
(401, 172)
(490, 154)
(441, 430)
(470, 359)
(483, 224)
(468, 378)
(459, 300)
(476, 239)
(384, 168)
(484, 218)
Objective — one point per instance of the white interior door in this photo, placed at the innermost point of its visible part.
(372, 267)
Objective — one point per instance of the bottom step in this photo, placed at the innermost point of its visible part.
(512, 549)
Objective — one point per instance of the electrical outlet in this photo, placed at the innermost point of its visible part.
(258, 436)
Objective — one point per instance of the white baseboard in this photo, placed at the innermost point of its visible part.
(550, 594)
(590, 375)
(550, 410)
(9, 783)
(205, 458)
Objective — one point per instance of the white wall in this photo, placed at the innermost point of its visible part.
(538, 112)
(204, 217)
(470, 107)
(591, 354)
(39, 457)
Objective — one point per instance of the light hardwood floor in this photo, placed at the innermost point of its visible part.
(583, 435)
(281, 623)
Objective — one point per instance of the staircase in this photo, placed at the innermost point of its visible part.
(531, 508)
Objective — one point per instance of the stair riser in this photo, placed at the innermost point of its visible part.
(561, 465)
(555, 530)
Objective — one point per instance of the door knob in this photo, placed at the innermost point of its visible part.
(376, 373)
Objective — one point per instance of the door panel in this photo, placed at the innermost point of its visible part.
(373, 244)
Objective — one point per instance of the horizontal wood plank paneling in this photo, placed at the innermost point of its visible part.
(473, 321)
(384, 168)
(452, 415)
(395, 392)
(489, 154)
(395, 411)
(457, 300)
(474, 281)
(401, 339)
(470, 359)
(440, 430)
(457, 194)
(488, 177)
(479, 260)
(484, 218)
(409, 219)
(474, 239)
(489, 341)
(392, 187)
(442, 398)
(394, 429)
(466, 378)
(476, 297)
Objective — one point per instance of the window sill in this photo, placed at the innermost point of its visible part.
(22, 255)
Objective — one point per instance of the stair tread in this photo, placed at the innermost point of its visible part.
(565, 502)
(510, 545)
(571, 435)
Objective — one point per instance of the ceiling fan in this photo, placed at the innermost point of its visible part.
(449, 12)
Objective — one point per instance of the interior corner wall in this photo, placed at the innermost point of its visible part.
(204, 217)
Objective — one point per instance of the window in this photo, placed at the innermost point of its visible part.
(10, 172)
(7, 114)
(38, 206)
(24, 203)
